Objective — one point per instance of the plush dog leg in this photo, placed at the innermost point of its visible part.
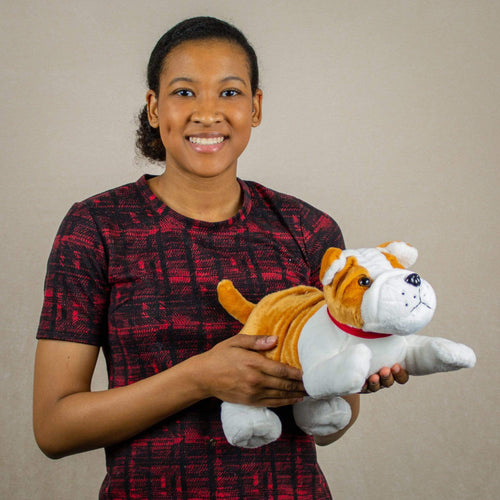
(249, 426)
(427, 355)
(344, 373)
(321, 417)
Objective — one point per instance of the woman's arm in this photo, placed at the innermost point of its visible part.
(353, 400)
(68, 418)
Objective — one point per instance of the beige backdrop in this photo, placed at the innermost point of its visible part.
(383, 113)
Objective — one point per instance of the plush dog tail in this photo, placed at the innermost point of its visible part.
(233, 302)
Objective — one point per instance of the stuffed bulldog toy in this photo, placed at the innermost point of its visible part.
(365, 318)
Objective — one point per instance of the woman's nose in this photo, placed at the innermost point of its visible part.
(206, 113)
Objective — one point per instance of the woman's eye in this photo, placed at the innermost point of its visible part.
(184, 93)
(230, 93)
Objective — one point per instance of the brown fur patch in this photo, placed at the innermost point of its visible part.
(330, 255)
(344, 294)
(283, 314)
(390, 257)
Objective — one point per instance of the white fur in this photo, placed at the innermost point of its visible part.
(336, 266)
(391, 305)
(249, 426)
(321, 417)
(406, 254)
(335, 363)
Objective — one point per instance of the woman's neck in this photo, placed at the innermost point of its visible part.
(211, 199)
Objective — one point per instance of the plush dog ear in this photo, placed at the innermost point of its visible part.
(333, 261)
(404, 252)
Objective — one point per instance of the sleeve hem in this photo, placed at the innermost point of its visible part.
(66, 337)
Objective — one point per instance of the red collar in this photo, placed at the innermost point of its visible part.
(356, 331)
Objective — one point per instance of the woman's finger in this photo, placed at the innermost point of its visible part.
(275, 403)
(283, 385)
(400, 374)
(386, 377)
(267, 366)
(281, 371)
(254, 342)
(374, 383)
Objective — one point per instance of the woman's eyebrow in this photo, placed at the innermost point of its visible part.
(191, 80)
(181, 79)
(228, 78)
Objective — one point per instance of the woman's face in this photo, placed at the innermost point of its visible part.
(205, 109)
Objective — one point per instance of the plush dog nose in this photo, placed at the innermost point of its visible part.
(413, 279)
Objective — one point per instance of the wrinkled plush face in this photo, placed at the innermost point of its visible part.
(398, 302)
(380, 296)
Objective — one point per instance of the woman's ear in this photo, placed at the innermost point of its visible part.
(257, 108)
(152, 104)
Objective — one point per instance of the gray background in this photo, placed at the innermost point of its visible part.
(383, 113)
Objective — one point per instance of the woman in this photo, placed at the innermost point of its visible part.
(134, 270)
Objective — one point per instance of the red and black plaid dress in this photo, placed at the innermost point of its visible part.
(130, 275)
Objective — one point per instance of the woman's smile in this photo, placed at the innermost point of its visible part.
(205, 108)
(207, 143)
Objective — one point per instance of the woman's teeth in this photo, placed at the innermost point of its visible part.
(206, 140)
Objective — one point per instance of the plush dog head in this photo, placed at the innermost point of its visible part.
(372, 289)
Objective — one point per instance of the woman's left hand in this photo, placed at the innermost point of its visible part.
(385, 378)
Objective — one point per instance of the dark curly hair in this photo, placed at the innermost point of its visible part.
(148, 141)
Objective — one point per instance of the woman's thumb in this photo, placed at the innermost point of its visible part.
(259, 342)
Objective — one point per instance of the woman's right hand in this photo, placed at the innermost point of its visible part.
(68, 417)
(236, 371)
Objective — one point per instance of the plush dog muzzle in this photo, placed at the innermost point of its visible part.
(398, 302)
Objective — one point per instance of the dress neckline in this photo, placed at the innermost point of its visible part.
(164, 210)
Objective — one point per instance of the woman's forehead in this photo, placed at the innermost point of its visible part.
(215, 58)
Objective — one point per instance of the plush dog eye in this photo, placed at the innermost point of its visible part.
(364, 281)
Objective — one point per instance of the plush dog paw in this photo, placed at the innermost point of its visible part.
(248, 426)
(452, 356)
(357, 369)
(344, 373)
(321, 417)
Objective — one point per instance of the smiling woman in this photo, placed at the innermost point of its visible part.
(204, 110)
(134, 271)
(197, 29)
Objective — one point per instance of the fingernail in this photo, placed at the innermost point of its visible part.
(396, 369)
(269, 340)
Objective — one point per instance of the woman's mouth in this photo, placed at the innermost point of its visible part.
(206, 140)
(206, 144)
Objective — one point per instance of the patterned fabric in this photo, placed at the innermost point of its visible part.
(130, 275)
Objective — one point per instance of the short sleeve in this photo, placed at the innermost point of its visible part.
(76, 287)
(320, 232)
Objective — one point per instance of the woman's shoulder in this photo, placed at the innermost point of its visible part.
(120, 196)
(286, 203)
(114, 208)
